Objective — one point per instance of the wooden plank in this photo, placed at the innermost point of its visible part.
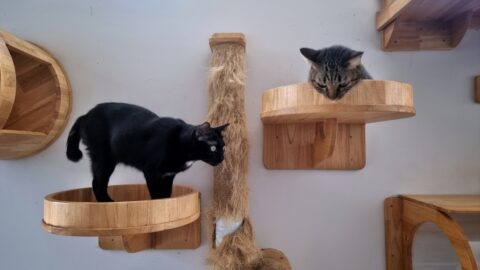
(393, 233)
(415, 214)
(454, 204)
(8, 83)
(390, 13)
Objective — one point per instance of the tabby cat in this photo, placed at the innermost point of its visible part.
(159, 147)
(334, 70)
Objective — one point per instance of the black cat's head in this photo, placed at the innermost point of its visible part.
(209, 142)
(334, 70)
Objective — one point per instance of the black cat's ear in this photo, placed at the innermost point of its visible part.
(309, 54)
(221, 128)
(202, 130)
(355, 60)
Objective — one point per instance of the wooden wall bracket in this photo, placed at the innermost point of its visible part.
(305, 130)
(405, 214)
(185, 237)
(132, 223)
(410, 25)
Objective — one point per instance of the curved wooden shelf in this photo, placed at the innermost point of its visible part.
(369, 101)
(410, 25)
(305, 130)
(35, 98)
(133, 217)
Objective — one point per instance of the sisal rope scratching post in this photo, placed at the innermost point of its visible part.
(233, 242)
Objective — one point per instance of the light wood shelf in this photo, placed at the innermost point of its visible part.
(410, 25)
(305, 130)
(35, 98)
(133, 222)
(404, 214)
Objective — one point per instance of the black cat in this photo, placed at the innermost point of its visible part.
(129, 134)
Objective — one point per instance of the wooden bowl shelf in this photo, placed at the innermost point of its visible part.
(305, 130)
(409, 25)
(35, 98)
(133, 222)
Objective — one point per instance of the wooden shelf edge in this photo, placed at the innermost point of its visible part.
(71, 231)
(8, 83)
(369, 101)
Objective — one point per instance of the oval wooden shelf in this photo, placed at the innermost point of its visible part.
(305, 130)
(133, 222)
(35, 98)
(369, 101)
(76, 212)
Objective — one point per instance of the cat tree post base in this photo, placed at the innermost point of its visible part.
(305, 130)
(133, 222)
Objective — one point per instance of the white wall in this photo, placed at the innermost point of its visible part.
(155, 54)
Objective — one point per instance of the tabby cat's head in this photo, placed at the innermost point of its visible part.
(334, 70)
(209, 144)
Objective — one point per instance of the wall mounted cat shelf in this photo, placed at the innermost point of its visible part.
(305, 130)
(133, 222)
(411, 25)
(34, 98)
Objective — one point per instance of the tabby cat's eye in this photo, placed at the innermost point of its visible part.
(343, 85)
(213, 148)
(320, 85)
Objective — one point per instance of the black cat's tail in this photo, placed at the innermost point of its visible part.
(73, 151)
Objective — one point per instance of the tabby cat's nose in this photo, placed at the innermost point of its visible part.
(331, 92)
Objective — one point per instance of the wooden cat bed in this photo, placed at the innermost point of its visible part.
(305, 130)
(408, 25)
(133, 222)
(35, 98)
(404, 215)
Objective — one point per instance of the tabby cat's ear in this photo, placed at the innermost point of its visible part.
(309, 54)
(221, 128)
(202, 130)
(355, 60)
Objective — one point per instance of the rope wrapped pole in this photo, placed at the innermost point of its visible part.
(233, 242)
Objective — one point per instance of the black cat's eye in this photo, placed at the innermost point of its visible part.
(213, 148)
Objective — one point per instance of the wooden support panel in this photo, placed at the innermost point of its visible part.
(296, 146)
(185, 237)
